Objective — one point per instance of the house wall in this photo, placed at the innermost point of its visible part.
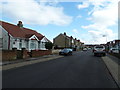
(60, 41)
(1, 42)
(16, 43)
(3, 39)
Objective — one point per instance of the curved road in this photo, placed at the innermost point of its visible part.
(81, 70)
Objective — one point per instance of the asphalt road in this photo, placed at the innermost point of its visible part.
(81, 70)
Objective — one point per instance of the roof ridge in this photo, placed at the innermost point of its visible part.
(7, 23)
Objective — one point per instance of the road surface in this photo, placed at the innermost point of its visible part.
(81, 70)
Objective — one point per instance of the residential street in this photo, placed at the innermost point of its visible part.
(81, 70)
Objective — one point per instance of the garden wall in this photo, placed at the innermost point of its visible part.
(38, 53)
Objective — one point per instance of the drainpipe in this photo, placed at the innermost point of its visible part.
(8, 41)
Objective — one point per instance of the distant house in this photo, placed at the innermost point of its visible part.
(64, 41)
(17, 36)
(116, 44)
(113, 44)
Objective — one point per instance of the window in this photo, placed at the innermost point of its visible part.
(20, 45)
(33, 45)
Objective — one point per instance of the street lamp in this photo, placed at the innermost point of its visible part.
(105, 36)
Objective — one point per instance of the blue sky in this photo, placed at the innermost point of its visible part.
(87, 20)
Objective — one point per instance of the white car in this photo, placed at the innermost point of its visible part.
(99, 50)
(84, 49)
(114, 50)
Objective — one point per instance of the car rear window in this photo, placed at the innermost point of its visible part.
(65, 50)
(99, 47)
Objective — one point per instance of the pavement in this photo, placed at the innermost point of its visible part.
(81, 70)
(113, 65)
(23, 62)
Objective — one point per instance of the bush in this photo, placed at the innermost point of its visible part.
(48, 45)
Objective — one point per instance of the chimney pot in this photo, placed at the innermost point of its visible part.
(71, 37)
(20, 24)
(64, 33)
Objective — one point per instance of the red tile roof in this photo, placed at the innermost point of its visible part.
(16, 31)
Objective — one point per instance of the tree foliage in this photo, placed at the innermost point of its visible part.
(48, 45)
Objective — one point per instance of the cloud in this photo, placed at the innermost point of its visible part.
(84, 5)
(75, 33)
(99, 37)
(103, 16)
(79, 16)
(34, 12)
(75, 30)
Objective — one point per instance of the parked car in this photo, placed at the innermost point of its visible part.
(84, 49)
(99, 50)
(66, 51)
(114, 50)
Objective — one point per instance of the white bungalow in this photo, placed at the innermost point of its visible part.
(16, 36)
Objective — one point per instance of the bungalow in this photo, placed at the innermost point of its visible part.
(16, 36)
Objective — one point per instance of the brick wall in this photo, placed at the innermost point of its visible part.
(38, 53)
(9, 55)
(25, 54)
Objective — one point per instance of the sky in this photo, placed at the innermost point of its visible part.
(90, 21)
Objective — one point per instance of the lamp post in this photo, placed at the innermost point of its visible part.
(105, 36)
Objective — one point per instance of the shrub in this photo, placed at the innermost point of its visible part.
(48, 45)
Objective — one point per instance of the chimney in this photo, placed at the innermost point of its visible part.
(65, 33)
(20, 24)
(78, 40)
(71, 37)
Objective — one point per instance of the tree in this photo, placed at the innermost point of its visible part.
(48, 45)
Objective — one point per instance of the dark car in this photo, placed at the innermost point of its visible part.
(66, 51)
